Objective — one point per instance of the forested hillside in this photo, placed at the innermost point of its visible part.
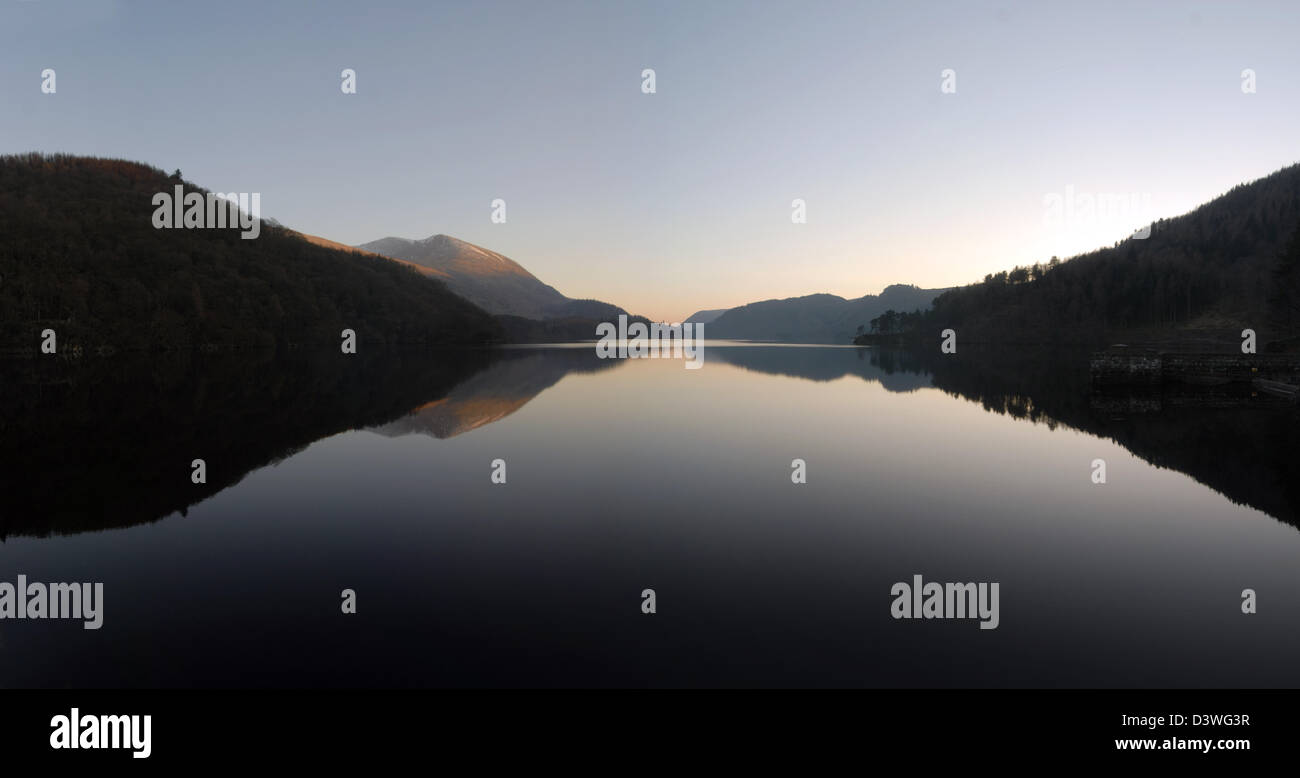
(79, 254)
(1220, 268)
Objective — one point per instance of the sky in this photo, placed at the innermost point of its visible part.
(680, 200)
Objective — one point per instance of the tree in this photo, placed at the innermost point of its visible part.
(1284, 297)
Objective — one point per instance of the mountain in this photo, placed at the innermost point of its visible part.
(704, 317)
(1197, 280)
(81, 256)
(493, 282)
(816, 318)
(327, 243)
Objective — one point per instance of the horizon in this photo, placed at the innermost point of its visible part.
(1154, 218)
(881, 290)
(681, 200)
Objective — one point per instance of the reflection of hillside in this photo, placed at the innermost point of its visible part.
(109, 443)
(447, 418)
(1237, 444)
(499, 390)
(894, 370)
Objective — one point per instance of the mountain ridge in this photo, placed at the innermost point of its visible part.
(494, 282)
(816, 318)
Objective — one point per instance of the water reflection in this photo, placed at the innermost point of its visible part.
(503, 386)
(109, 443)
(372, 473)
(1230, 438)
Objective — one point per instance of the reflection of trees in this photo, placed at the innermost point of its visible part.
(109, 443)
(1237, 444)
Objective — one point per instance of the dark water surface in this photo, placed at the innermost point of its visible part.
(373, 473)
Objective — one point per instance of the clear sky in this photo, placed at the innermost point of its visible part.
(670, 202)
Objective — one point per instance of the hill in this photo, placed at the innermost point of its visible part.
(81, 256)
(816, 318)
(1199, 278)
(704, 317)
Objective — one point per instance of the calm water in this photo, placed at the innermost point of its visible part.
(373, 474)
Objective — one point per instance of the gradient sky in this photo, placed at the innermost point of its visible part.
(680, 200)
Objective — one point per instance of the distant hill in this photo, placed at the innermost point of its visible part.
(704, 317)
(1202, 277)
(81, 256)
(815, 318)
(493, 282)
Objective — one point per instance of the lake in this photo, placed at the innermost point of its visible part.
(374, 473)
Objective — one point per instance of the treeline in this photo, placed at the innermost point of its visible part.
(79, 255)
(1230, 264)
(572, 329)
(892, 322)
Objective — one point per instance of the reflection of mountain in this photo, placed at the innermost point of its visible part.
(499, 390)
(1237, 444)
(110, 443)
(1240, 445)
(447, 418)
(826, 364)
